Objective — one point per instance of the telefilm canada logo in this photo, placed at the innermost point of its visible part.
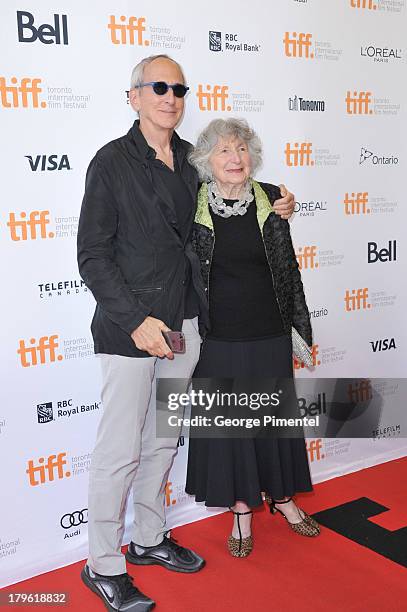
(60, 288)
(367, 156)
(231, 42)
(299, 104)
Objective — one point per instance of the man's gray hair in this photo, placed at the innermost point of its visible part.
(228, 129)
(137, 74)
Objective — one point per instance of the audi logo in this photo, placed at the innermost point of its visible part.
(79, 517)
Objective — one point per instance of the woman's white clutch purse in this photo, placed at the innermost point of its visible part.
(301, 350)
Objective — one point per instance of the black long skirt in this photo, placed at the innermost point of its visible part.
(223, 471)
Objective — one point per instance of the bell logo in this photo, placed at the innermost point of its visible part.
(45, 33)
(356, 299)
(298, 365)
(306, 257)
(299, 154)
(39, 353)
(24, 94)
(389, 254)
(168, 499)
(46, 472)
(356, 204)
(48, 162)
(125, 33)
(29, 229)
(359, 103)
(214, 98)
(360, 391)
(298, 45)
(363, 4)
(314, 448)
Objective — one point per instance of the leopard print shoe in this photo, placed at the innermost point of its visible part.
(306, 527)
(240, 547)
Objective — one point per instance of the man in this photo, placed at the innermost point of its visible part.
(135, 256)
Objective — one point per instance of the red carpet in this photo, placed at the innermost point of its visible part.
(285, 572)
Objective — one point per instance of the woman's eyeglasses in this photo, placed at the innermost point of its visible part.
(160, 88)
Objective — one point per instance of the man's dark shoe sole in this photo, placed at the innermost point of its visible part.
(150, 561)
(141, 607)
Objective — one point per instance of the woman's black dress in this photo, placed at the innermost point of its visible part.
(246, 340)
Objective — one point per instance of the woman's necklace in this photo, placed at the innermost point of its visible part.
(219, 207)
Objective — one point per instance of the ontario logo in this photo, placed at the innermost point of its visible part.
(232, 43)
(377, 160)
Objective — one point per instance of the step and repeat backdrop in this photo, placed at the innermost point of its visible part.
(323, 83)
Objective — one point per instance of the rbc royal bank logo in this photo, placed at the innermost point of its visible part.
(215, 41)
(45, 413)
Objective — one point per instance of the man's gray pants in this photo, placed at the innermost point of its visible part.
(128, 454)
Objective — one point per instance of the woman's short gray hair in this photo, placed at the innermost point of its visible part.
(229, 129)
(137, 75)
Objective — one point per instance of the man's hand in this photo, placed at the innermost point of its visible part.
(285, 205)
(148, 337)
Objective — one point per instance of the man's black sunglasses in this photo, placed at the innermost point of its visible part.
(161, 88)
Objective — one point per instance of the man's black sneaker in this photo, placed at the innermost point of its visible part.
(117, 592)
(168, 554)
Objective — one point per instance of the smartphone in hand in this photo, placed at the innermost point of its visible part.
(175, 340)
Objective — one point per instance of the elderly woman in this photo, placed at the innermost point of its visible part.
(255, 297)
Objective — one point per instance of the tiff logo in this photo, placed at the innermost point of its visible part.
(26, 229)
(298, 365)
(298, 45)
(48, 162)
(45, 33)
(359, 103)
(356, 204)
(47, 472)
(214, 99)
(364, 4)
(25, 95)
(306, 257)
(356, 299)
(299, 154)
(125, 33)
(41, 353)
(169, 501)
(360, 391)
(314, 448)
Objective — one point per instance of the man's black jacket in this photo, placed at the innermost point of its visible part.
(130, 254)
